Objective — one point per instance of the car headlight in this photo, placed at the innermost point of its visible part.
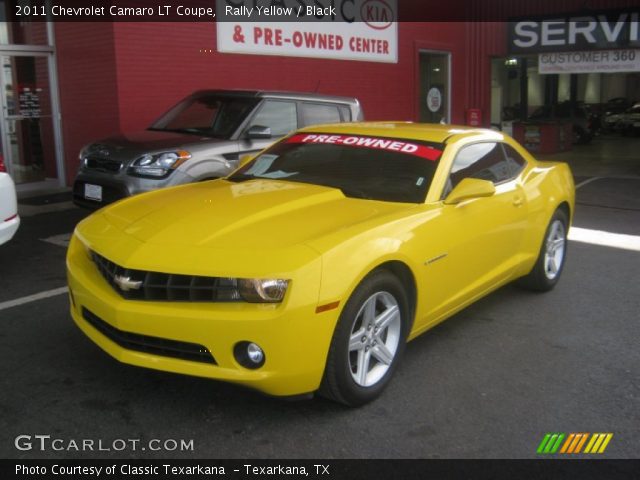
(158, 164)
(262, 290)
(82, 155)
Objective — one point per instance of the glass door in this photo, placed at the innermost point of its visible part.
(27, 133)
(434, 87)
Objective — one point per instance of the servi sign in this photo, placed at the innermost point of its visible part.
(364, 30)
(605, 42)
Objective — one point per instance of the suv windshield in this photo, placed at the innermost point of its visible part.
(387, 169)
(210, 115)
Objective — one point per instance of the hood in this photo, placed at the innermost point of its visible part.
(150, 141)
(256, 214)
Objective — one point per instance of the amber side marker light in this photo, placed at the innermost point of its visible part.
(183, 156)
(326, 307)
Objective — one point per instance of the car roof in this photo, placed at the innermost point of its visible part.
(432, 132)
(276, 94)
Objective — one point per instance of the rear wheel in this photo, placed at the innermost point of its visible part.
(550, 262)
(368, 341)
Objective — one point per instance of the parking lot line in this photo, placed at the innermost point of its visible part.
(61, 240)
(606, 239)
(33, 298)
(587, 181)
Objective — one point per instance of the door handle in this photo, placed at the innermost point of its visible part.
(518, 201)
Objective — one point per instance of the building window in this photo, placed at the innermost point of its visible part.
(434, 87)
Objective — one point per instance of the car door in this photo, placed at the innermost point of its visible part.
(279, 115)
(478, 240)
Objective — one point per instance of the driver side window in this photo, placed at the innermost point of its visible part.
(485, 161)
(280, 116)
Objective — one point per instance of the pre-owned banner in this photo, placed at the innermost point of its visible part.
(364, 30)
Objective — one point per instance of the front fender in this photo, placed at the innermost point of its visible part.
(208, 168)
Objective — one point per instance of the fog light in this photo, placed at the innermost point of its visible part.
(255, 353)
(249, 355)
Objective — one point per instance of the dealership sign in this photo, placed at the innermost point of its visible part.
(599, 61)
(579, 32)
(364, 30)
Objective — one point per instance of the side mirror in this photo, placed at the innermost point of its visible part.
(258, 132)
(244, 160)
(470, 188)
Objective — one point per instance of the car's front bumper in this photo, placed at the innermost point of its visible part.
(294, 337)
(121, 185)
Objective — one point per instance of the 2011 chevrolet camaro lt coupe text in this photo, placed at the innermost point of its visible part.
(310, 267)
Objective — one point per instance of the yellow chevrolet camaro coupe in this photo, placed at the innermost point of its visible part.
(310, 267)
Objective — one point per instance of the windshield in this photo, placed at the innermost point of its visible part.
(211, 115)
(375, 168)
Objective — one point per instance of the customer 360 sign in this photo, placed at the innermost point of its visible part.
(363, 30)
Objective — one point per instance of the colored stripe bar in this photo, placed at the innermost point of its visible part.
(581, 443)
(567, 443)
(555, 448)
(605, 443)
(543, 443)
(574, 444)
(551, 443)
(591, 442)
(599, 441)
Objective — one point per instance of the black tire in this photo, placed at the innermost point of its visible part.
(382, 289)
(544, 276)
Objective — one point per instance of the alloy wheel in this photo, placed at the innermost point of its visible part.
(374, 339)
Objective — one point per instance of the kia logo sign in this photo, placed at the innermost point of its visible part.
(377, 14)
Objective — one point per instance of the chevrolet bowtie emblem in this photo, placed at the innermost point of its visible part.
(126, 284)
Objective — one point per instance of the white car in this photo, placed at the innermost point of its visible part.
(629, 122)
(9, 219)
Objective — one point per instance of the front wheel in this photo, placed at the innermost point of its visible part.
(368, 341)
(550, 262)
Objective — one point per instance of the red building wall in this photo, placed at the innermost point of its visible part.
(159, 63)
(87, 82)
(121, 76)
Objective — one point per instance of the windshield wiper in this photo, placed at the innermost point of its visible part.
(354, 193)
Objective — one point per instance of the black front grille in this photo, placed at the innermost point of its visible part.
(147, 344)
(144, 285)
(103, 164)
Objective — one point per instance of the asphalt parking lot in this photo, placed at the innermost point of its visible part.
(488, 383)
